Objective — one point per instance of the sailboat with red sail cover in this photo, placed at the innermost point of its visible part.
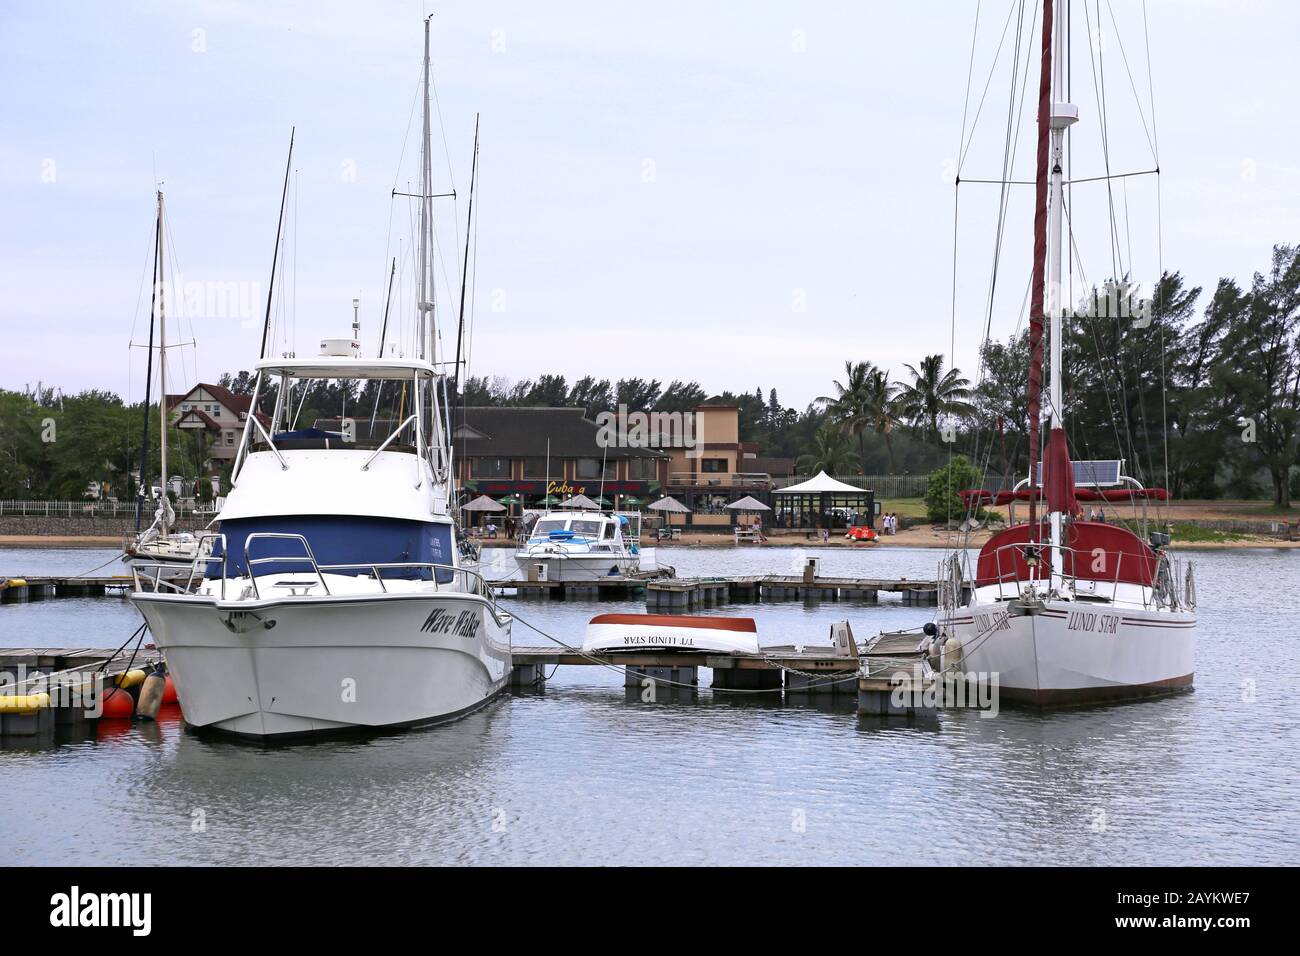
(1060, 610)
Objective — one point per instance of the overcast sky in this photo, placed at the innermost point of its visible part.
(743, 194)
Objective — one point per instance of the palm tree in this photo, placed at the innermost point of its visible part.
(933, 395)
(848, 407)
(881, 408)
(830, 452)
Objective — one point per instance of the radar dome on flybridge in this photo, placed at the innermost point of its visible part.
(342, 348)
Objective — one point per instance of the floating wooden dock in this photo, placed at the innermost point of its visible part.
(678, 594)
(889, 676)
(810, 670)
(38, 587)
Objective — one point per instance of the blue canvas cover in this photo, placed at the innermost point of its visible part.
(338, 539)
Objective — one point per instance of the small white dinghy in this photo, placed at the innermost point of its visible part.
(677, 632)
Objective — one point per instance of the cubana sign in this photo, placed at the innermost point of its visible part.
(560, 488)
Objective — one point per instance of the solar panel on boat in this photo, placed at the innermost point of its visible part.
(1101, 473)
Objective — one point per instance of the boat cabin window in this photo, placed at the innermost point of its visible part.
(590, 528)
(607, 532)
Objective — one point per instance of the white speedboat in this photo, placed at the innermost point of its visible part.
(580, 545)
(1058, 609)
(672, 632)
(334, 596)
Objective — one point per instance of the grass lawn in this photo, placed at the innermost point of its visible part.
(904, 507)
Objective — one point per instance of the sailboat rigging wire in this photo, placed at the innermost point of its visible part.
(1015, 111)
(1097, 67)
(1160, 263)
(1099, 95)
(148, 382)
(266, 325)
(473, 287)
(1097, 349)
(961, 158)
(179, 310)
(388, 301)
(1066, 182)
(1011, 135)
(392, 198)
(1137, 100)
(464, 275)
(970, 73)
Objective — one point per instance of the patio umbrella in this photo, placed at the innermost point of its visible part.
(669, 505)
(550, 500)
(579, 502)
(748, 503)
(483, 503)
(632, 500)
(603, 501)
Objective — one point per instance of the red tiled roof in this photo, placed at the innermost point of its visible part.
(236, 403)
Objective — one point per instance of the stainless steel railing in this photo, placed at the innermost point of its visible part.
(471, 581)
(1169, 586)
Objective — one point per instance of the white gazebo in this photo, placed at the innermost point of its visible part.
(823, 501)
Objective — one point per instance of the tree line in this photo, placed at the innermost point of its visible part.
(1208, 383)
(1202, 399)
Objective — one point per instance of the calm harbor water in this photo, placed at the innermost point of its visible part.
(581, 773)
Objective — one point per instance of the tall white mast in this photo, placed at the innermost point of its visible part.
(426, 220)
(1063, 114)
(162, 361)
(439, 455)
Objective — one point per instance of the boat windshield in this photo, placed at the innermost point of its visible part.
(547, 525)
(316, 414)
(584, 527)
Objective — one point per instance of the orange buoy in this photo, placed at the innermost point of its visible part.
(169, 691)
(117, 704)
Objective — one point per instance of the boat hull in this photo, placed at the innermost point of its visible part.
(670, 632)
(298, 666)
(1065, 654)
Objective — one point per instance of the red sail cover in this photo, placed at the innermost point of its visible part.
(1096, 552)
(1058, 475)
(1037, 286)
(984, 497)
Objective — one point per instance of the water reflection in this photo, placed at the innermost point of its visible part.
(582, 770)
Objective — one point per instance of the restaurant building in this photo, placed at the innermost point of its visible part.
(711, 467)
(503, 452)
(529, 454)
